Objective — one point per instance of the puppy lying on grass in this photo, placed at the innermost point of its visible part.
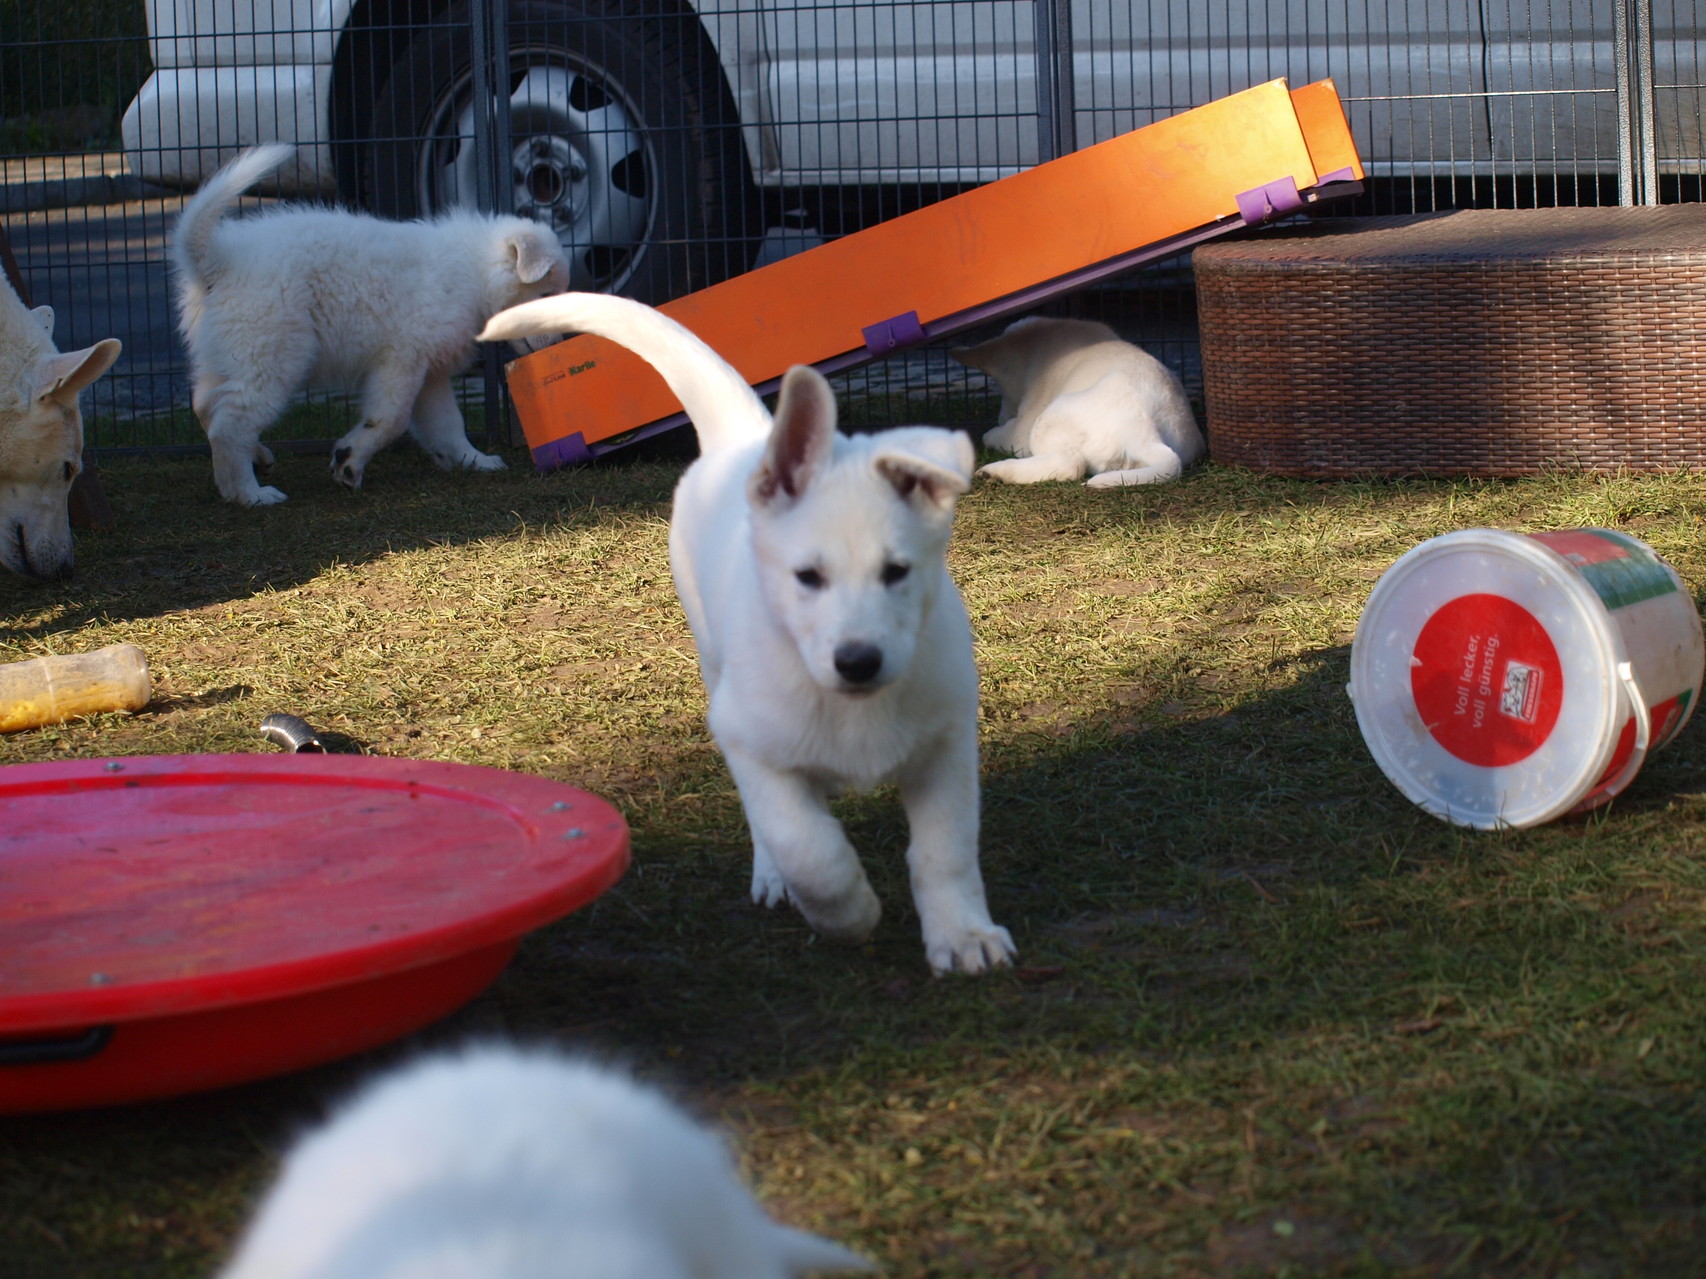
(1075, 398)
(834, 646)
(298, 297)
(498, 1164)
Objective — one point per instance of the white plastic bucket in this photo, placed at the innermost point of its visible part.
(1504, 679)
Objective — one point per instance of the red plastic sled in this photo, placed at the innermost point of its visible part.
(175, 923)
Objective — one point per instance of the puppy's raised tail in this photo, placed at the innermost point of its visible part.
(192, 238)
(725, 410)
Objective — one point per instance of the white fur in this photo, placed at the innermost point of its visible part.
(1076, 399)
(41, 436)
(300, 297)
(833, 644)
(498, 1164)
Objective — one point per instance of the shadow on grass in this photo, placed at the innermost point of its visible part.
(1409, 1045)
(180, 547)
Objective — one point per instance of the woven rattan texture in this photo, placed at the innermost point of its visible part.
(1480, 342)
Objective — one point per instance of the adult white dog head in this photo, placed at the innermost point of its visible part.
(41, 437)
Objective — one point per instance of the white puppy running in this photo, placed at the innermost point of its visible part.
(498, 1164)
(41, 436)
(833, 644)
(300, 297)
(1075, 398)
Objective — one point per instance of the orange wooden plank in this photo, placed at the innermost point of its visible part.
(1326, 131)
(1162, 181)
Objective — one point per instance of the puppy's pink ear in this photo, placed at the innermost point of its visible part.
(61, 377)
(533, 259)
(800, 441)
(927, 465)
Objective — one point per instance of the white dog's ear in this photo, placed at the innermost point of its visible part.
(926, 463)
(989, 357)
(801, 439)
(44, 317)
(61, 377)
(533, 261)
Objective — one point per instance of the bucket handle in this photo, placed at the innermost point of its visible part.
(1643, 731)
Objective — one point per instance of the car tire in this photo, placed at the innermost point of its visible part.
(622, 138)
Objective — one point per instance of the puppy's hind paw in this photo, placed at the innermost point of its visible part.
(264, 495)
(344, 469)
(768, 888)
(1009, 470)
(971, 951)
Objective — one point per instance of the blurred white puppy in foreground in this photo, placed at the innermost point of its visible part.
(498, 1164)
(835, 649)
(1076, 399)
(298, 297)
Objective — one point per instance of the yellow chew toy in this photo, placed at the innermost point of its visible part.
(50, 690)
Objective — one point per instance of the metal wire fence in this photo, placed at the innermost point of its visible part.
(671, 144)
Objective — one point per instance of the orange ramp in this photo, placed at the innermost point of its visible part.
(990, 252)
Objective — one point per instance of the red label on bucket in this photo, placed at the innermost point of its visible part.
(1486, 679)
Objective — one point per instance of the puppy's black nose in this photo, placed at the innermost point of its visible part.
(858, 662)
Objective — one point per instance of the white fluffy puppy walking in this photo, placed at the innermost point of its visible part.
(298, 296)
(833, 644)
(498, 1164)
(1076, 399)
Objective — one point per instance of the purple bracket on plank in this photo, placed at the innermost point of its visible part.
(571, 450)
(1265, 203)
(1346, 174)
(893, 334)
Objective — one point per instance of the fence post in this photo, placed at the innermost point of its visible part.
(494, 190)
(1057, 132)
(1637, 147)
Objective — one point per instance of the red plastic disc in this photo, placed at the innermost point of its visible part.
(179, 906)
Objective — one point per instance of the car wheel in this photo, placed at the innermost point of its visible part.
(621, 139)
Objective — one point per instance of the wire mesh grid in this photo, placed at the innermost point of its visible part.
(672, 144)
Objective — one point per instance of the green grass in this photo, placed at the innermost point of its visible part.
(1269, 1018)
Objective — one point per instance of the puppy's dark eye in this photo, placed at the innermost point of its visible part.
(809, 578)
(893, 573)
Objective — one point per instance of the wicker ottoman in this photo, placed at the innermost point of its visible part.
(1481, 342)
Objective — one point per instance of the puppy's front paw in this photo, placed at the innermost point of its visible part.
(478, 461)
(1003, 470)
(971, 950)
(850, 921)
(1106, 480)
(345, 469)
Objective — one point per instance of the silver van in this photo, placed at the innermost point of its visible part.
(647, 130)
